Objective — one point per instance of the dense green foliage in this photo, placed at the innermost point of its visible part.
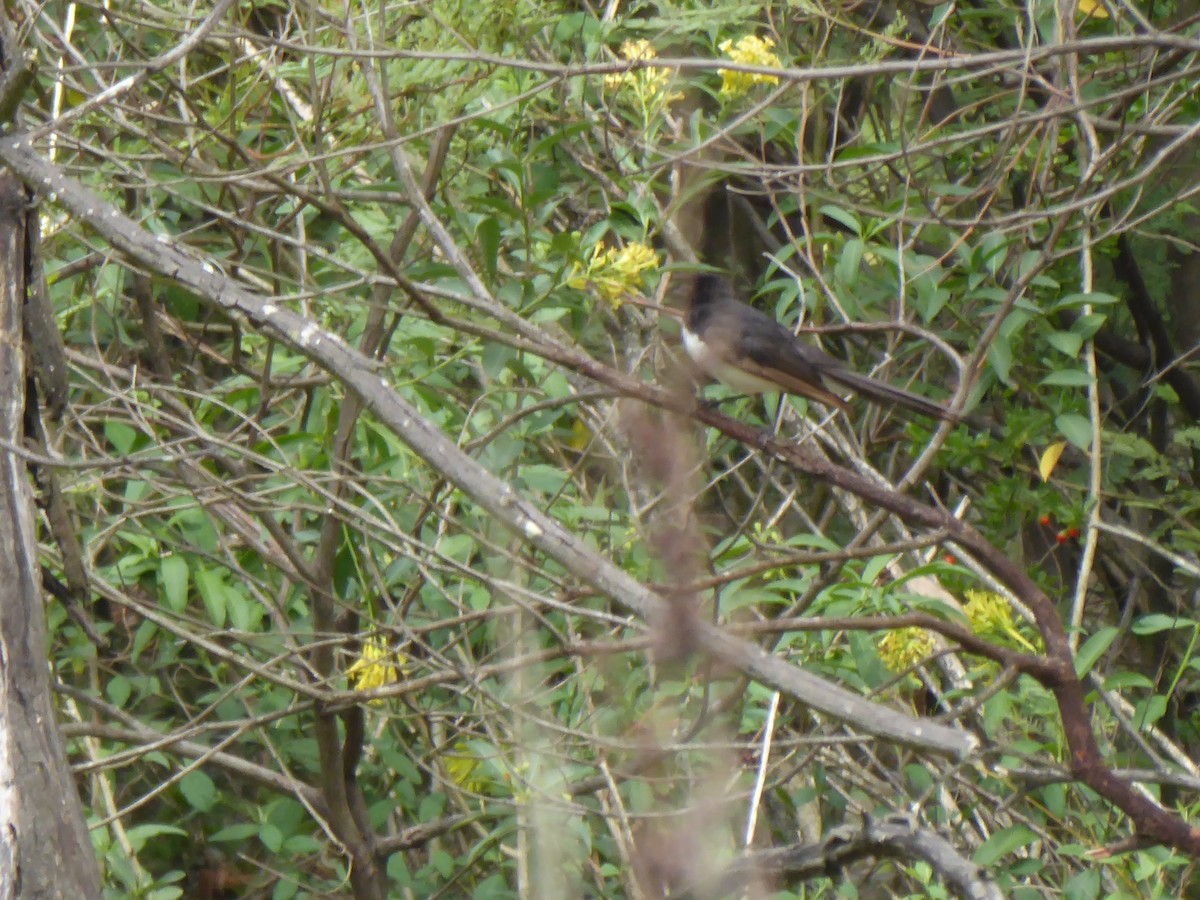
(1023, 223)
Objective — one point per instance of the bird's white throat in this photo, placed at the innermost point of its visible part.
(736, 378)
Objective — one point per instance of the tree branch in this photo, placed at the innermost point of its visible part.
(497, 497)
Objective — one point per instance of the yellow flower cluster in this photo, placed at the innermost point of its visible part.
(464, 769)
(750, 50)
(905, 647)
(375, 666)
(990, 614)
(616, 272)
(987, 612)
(1093, 8)
(649, 84)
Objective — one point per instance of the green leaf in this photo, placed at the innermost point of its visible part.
(487, 233)
(847, 268)
(1068, 378)
(1086, 326)
(1096, 298)
(304, 844)
(195, 524)
(1093, 648)
(843, 217)
(1120, 681)
(947, 189)
(198, 790)
(992, 251)
(1067, 342)
(245, 613)
(1156, 622)
(940, 13)
(271, 837)
(1000, 358)
(1055, 798)
(138, 835)
(443, 863)
(212, 591)
(238, 832)
(479, 597)
(867, 150)
(173, 577)
(118, 690)
(495, 358)
(141, 638)
(578, 26)
(431, 807)
(1086, 885)
(135, 490)
(544, 479)
(866, 658)
(1003, 843)
(875, 567)
(1150, 711)
(121, 436)
(493, 888)
(121, 871)
(1075, 428)
(930, 299)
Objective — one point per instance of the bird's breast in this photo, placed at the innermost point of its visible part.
(721, 369)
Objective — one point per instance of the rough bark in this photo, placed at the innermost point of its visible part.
(44, 847)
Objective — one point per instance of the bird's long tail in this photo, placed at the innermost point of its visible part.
(884, 393)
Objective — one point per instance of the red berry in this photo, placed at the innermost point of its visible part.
(1072, 532)
(1061, 537)
(1045, 521)
(950, 558)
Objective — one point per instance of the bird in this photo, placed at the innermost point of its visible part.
(753, 353)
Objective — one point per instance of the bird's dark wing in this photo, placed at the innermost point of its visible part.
(768, 343)
(767, 350)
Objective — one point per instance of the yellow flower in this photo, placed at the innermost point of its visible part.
(634, 259)
(649, 84)
(581, 436)
(464, 769)
(1093, 8)
(375, 667)
(750, 50)
(616, 272)
(905, 647)
(990, 614)
(631, 51)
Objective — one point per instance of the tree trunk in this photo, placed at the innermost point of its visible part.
(44, 847)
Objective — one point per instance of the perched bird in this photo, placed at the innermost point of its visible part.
(752, 353)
